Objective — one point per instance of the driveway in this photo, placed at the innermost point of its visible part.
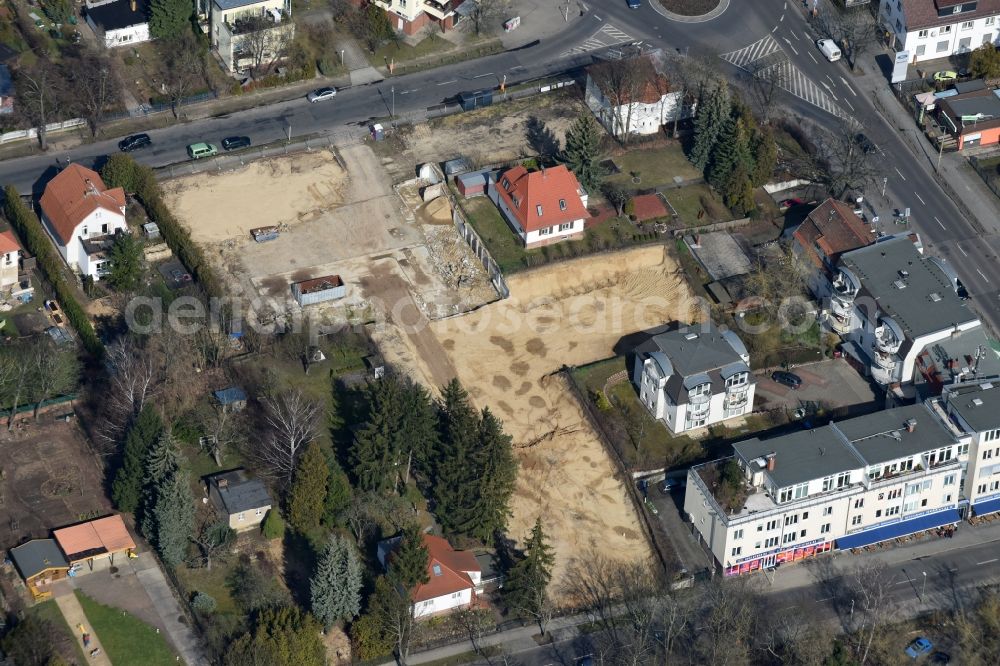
(831, 383)
(670, 511)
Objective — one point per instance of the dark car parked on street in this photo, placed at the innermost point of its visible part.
(234, 142)
(789, 379)
(134, 142)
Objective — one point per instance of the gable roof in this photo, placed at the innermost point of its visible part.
(95, 537)
(118, 14)
(228, 396)
(37, 556)
(238, 492)
(74, 194)
(832, 228)
(920, 14)
(446, 569)
(542, 199)
(8, 243)
(650, 89)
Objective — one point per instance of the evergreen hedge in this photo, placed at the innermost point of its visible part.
(122, 171)
(29, 228)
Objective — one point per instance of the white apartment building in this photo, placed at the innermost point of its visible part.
(694, 377)
(930, 29)
(845, 485)
(973, 409)
(237, 37)
(641, 109)
(410, 16)
(892, 304)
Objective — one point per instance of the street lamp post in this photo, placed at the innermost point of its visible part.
(394, 102)
(341, 56)
(885, 181)
(923, 588)
(852, 607)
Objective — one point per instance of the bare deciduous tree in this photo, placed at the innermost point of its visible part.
(184, 58)
(766, 78)
(54, 370)
(836, 160)
(262, 41)
(872, 583)
(486, 14)
(620, 81)
(132, 378)
(688, 76)
(213, 538)
(40, 96)
(854, 28)
(94, 85)
(292, 420)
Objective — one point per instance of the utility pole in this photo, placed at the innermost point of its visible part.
(940, 152)
(923, 588)
(289, 131)
(885, 181)
(394, 102)
(341, 56)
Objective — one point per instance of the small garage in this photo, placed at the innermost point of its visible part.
(94, 543)
(318, 290)
(472, 184)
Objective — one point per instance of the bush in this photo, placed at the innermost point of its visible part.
(327, 65)
(601, 401)
(29, 228)
(273, 526)
(203, 603)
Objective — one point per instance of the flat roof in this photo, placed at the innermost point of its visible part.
(118, 14)
(977, 404)
(882, 436)
(802, 456)
(38, 556)
(908, 287)
(320, 284)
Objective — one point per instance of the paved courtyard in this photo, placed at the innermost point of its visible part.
(831, 383)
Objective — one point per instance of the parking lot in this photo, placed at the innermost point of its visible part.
(830, 384)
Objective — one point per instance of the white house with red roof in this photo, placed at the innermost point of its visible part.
(929, 29)
(10, 254)
(642, 107)
(542, 207)
(82, 215)
(454, 577)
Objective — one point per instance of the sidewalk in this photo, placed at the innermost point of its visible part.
(799, 575)
(159, 592)
(70, 607)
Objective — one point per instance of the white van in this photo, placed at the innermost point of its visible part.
(829, 49)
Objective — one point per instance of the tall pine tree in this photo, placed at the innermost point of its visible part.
(308, 493)
(377, 444)
(725, 155)
(456, 478)
(338, 491)
(162, 462)
(713, 109)
(408, 561)
(126, 490)
(583, 143)
(497, 468)
(525, 589)
(765, 155)
(173, 515)
(169, 18)
(419, 435)
(335, 588)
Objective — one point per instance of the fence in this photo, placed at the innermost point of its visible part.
(989, 173)
(479, 249)
(17, 135)
(153, 109)
(708, 228)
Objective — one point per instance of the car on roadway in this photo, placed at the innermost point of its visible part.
(829, 49)
(865, 143)
(134, 142)
(634, 4)
(321, 94)
(198, 150)
(235, 142)
(789, 379)
(945, 75)
(919, 647)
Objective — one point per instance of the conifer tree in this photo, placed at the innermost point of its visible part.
(419, 429)
(169, 18)
(335, 588)
(162, 462)
(308, 493)
(173, 515)
(408, 561)
(338, 492)
(497, 471)
(526, 588)
(126, 490)
(456, 479)
(725, 155)
(709, 120)
(765, 155)
(583, 144)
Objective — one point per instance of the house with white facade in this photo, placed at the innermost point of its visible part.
(542, 207)
(10, 256)
(694, 377)
(891, 304)
(248, 33)
(119, 22)
(642, 107)
(928, 29)
(845, 485)
(973, 410)
(81, 215)
(411, 16)
(454, 577)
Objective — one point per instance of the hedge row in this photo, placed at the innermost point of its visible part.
(29, 228)
(122, 171)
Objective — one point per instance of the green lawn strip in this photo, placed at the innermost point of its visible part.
(689, 201)
(500, 239)
(49, 612)
(656, 167)
(400, 51)
(212, 583)
(127, 640)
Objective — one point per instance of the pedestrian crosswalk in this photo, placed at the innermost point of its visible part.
(607, 35)
(766, 58)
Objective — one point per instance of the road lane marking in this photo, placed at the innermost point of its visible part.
(994, 559)
(987, 280)
(848, 103)
(831, 79)
(479, 76)
(921, 200)
(940, 223)
(961, 250)
(792, 32)
(823, 83)
(900, 173)
(444, 83)
(789, 42)
(953, 570)
(773, 29)
(598, 17)
(844, 81)
(813, 57)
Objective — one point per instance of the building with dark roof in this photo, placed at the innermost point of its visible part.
(39, 562)
(693, 377)
(119, 22)
(849, 484)
(973, 410)
(929, 29)
(243, 500)
(972, 118)
(892, 303)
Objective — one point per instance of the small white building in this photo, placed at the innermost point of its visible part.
(81, 215)
(119, 22)
(640, 109)
(892, 303)
(10, 255)
(930, 29)
(541, 207)
(694, 377)
(454, 577)
(845, 485)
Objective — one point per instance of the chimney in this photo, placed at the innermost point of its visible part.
(222, 483)
(132, 5)
(911, 425)
(770, 461)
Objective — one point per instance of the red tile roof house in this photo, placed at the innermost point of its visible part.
(10, 254)
(830, 230)
(624, 110)
(454, 576)
(542, 207)
(81, 215)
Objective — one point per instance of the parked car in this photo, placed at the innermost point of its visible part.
(865, 143)
(669, 484)
(178, 275)
(790, 203)
(789, 379)
(321, 95)
(134, 142)
(198, 150)
(235, 142)
(945, 75)
(829, 49)
(634, 4)
(919, 647)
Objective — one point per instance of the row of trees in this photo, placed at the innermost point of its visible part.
(34, 370)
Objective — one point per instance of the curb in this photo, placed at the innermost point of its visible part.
(680, 18)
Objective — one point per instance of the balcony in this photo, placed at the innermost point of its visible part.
(440, 10)
(258, 22)
(886, 341)
(736, 400)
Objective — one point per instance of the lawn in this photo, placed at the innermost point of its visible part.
(49, 612)
(126, 639)
(399, 51)
(212, 583)
(691, 200)
(656, 167)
